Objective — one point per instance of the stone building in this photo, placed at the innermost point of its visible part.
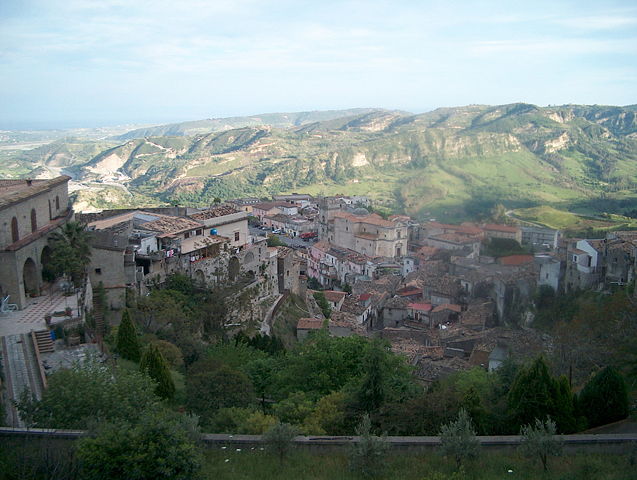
(29, 211)
(369, 235)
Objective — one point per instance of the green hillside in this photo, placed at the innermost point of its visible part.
(452, 162)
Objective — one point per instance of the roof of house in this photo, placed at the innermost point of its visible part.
(423, 307)
(309, 324)
(448, 306)
(464, 229)
(409, 291)
(214, 212)
(516, 259)
(270, 205)
(334, 296)
(14, 191)
(166, 225)
(455, 238)
(500, 228)
(372, 219)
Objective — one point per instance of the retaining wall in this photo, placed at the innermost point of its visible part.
(610, 443)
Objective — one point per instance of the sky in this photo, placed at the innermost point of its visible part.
(81, 63)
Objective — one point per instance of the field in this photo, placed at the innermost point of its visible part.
(247, 464)
(571, 223)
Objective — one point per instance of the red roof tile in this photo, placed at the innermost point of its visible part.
(309, 324)
(516, 260)
(423, 307)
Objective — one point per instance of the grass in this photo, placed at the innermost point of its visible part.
(329, 465)
(567, 221)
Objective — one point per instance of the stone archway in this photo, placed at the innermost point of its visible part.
(200, 278)
(30, 278)
(234, 268)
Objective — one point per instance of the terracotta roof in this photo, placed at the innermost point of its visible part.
(214, 212)
(423, 307)
(464, 229)
(309, 324)
(334, 296)
(500, 228)
(172, 225)
(516, 259)
(364, 297)
(409, 291)
(270, 205)
(372, 219)
(14, 191)
(455, 238)
(448, 306)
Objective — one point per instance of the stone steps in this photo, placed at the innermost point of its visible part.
(44, 342)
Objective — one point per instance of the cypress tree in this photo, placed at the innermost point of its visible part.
(531, 396)
(604, 399)
(128, 345)
(154, 365)
(536, 394)
(372, 392)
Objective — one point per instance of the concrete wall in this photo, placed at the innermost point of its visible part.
(604, 443)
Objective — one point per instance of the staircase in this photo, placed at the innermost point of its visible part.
(98, 315)
(43, 341)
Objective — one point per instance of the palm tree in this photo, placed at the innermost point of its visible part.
(71, 251)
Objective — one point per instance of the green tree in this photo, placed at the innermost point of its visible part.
(322, 303)
(274, 241)
(536, 394)
(372, 391)
(604, 399)
(91, 392)
(128, 345)
(458, 438)
(158, 446)
(368, 455)
(278, 439)
(210, 387)
(538, 440)
(153, 364)
(70, 252)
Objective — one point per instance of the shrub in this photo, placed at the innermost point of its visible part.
(539, 441)
(368, 455)
(279, 438)
(458, 438)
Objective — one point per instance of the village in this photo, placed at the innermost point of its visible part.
(438, 293)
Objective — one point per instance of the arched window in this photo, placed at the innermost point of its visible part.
(15, 236)
(34, 220)
(57, 203)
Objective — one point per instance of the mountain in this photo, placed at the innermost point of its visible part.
(452, 162)
(278, 120)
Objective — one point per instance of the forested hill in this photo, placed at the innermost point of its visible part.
(451, 161)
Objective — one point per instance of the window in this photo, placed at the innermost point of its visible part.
(187, 235)
(34, 220)
(98, 271)
(57, 202)
(198, 232)
(15, 235)
(236, 236)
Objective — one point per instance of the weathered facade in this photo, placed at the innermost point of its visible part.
(29, 211)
